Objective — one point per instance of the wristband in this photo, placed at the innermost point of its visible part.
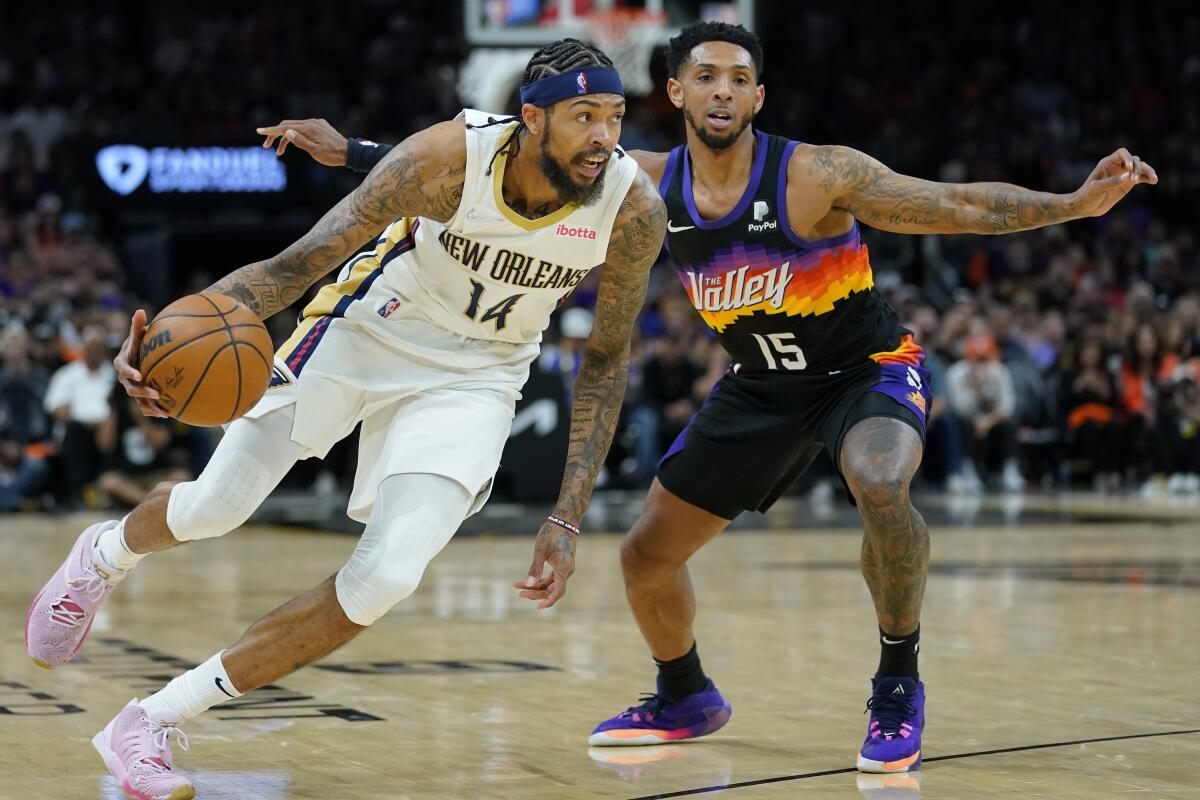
(562, 523)
(363, 155)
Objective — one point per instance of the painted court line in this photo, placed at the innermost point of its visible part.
(849, 770)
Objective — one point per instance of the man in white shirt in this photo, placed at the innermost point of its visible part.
(77, 399)
(980, 389)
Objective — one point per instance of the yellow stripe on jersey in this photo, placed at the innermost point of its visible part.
(363, 265)
(302, 329)
(512, 216)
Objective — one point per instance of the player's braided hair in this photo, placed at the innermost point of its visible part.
(553, 59)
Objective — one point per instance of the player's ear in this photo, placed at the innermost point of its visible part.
(675, 92)
(760, 96)
(533, 117)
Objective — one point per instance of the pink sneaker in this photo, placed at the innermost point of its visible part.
(61, 615)
(138, 754)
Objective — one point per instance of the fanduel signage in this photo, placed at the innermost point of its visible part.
(126, 167)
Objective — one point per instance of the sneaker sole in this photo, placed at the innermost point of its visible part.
(112, 765)
(909, 764)
(637, 737)
(633, 738)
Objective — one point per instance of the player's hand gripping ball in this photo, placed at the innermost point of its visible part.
(208, 357)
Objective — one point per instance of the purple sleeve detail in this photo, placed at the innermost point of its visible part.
(669, 172)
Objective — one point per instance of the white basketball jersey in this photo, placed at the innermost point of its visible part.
(488, 273)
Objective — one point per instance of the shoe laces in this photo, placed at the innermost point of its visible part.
(158, 762)
(647, 704)
(891, 710)
(93, 582)
(66, 611)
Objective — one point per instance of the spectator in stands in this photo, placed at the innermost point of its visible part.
(1094, 427)
(24, 426)
(668, 401)
(980, 390)
(77, 399)
(138, 452)
(944, 451)
(574, 327)
(1179, 429)
(1144, 371)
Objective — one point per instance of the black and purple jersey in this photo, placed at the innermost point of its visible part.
(774, 300)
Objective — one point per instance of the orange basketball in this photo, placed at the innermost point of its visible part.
(209, 358)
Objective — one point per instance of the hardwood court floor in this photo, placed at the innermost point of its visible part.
(1061, 660)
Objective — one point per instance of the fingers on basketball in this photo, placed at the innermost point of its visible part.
(208, 357)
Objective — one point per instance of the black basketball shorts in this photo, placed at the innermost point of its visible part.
(757, 432)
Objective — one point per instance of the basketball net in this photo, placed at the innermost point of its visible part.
(628, 37)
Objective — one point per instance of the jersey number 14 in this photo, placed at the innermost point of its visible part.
(499, 312)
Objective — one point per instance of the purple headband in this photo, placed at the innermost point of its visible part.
(589, 80)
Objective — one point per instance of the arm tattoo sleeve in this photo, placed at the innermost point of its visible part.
(887, 200)
(603, 373)
(408, 182)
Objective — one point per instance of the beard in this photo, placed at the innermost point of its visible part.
(716, 141)
(570, 192)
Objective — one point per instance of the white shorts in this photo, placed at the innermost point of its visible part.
(430, 401)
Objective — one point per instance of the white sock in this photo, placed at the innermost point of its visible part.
(112, 551)
(191, 694)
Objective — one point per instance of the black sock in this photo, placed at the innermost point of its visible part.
(898, 655)
(682, 676)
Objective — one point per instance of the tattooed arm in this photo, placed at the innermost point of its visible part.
(423, 176)
(637, 238)
(851, 181)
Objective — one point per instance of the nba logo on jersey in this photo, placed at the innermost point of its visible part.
(387, 308)
(581, 82)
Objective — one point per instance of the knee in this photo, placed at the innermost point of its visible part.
(642, 562)
(366, 600)
(221, 499)
(389, 562)
(879, 486)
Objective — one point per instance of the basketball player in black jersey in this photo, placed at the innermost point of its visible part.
(764, 234)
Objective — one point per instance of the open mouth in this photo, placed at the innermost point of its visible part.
(591, 165)
(720, 117)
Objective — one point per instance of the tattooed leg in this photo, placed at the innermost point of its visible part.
(654, 558)
(878, 459)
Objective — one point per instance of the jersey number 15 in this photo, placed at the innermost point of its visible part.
(778, 350)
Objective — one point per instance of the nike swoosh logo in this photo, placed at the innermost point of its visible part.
(672, 229)
(889, 641)
(222, 688)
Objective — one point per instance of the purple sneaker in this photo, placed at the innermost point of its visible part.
(62, 614)
(893, 744)
(661, 718)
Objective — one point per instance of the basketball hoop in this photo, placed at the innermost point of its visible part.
(628, 36)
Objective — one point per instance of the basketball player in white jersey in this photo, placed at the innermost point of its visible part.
(476, 228)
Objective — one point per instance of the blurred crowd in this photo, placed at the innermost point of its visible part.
(1060, 357)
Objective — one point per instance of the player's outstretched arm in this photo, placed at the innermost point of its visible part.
(324, 143)
(423, 176)
(884, 199)
(636, 240)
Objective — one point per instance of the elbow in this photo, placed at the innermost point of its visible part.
(606, 362)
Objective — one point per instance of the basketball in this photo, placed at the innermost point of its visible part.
(209, 357)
